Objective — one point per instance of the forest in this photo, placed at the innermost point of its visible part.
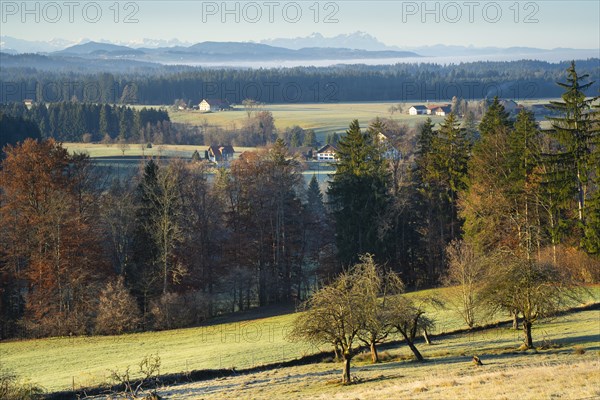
(404, 82)
(75, 122)
(181, 243)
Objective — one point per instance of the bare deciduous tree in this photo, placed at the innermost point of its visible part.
(465, 271)
(409, 320)
(117, 212)
(377, 287)
(123, 146)
(336, 315)
(164, 225)
(534, 290)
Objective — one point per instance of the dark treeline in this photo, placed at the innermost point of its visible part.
(70, 121)
(173, 247)
(16, 129)
(85, 122)
(419, 82)
(81, 122)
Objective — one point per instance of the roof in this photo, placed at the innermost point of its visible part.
(419, 107)
(327, 147)
(219, 151)
(436, 106)
(221, 148)
(446, 108)
(216, 102)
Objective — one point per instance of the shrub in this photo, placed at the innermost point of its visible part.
(575, 262)
(86, 138)
(13, 388)
(175, 310)
(117, 311)
(149, 372)
(107, 140)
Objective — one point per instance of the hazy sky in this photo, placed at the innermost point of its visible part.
(544, 24)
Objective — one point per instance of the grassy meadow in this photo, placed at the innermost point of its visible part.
(323, 118)
(565, 365)
(55, 363)
(249, 340)
(111, 159)
(96, 150)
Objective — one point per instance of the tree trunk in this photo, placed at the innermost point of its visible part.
(527, 332)
(374, 354)
(580, 196)
(336, 352)
(515, 324)
(415, 350)
(346, 373)
(426, 336)
(412, 347)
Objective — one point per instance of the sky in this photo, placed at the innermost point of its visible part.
(406, 24)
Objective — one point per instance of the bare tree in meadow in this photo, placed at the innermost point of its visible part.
(465, 273)
(336, 315)
(534, 290)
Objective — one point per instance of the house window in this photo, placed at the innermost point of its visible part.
(326, 157)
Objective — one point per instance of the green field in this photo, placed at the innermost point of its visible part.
(58, 363)
(166, 150)
(324, 118)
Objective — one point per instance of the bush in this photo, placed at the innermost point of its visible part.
(175, 310)
(86, 138)
(117, 311)
(107, 140)
(13, 388)
(77, 321)
(149, 372)
(575, 262)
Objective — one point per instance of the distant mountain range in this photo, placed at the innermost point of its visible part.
(223, 52)
(356, 40)
(315, 47)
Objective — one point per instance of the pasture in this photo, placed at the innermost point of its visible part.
(113, 151)
(323, 118)
(565, 365)
(256, 338)
(109, 158)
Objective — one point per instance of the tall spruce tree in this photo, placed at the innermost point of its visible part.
(441, 174)
(314, 197)
(428, 195)
(451, 149)
(574, 130)
(484, 204)
(591, 242)
(524, 157)
(494, 118)
(358, 195)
